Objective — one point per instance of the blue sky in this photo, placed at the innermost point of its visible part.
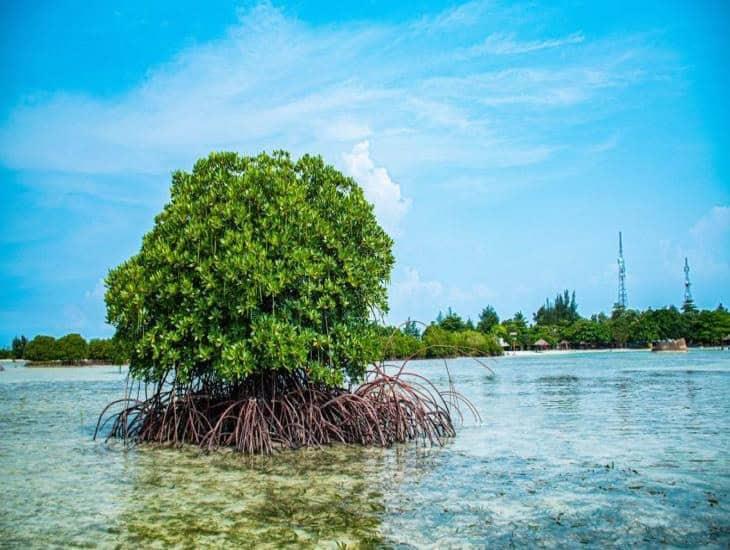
(504, 145)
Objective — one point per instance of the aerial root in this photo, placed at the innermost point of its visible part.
(278, 410)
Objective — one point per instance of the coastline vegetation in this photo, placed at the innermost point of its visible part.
(560, 325)
(450, 336)
(71, 349)
(557, 322)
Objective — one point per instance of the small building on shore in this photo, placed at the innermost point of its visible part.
(678, 344)
(541, 345)
(564, 345)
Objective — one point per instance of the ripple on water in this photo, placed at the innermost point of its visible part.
(607, 449)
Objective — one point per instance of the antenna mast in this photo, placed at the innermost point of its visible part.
(689, 304)
(621, 303)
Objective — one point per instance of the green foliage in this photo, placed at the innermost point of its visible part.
(550, 333)
(255, 264)
(398, 344)
(441, 342)
(18, 347)
(709, 327)
(42, 348)
(452, 322)
(99, 349)
(560, 321)
(108, 350)
(629, 327)
(516, 331)
(563, 310)
(488, 319)
(411, 329)
(590, 333)
(622, 324)
(436, 342)
(71, 347)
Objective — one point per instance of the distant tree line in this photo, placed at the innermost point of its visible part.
(557, 322)
(67, 349)
(448, 336)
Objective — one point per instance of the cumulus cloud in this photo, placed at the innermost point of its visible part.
(379, 188)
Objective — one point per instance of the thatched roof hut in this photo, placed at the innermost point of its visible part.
(564, 344)
(541, 344)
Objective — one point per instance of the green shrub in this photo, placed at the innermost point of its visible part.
(256, 264)
(42, 348)
(444, 343)
(71, 347)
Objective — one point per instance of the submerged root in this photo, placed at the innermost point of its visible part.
(286, 411)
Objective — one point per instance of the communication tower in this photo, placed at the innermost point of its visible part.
(621, 303)
(689, 304)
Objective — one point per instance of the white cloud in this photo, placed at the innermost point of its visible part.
(500, 43)
(532, 86)
(714, 226)
(97, 293)
(379, 188)
(705, 245)
(412, 296)
(608, 144)
(274, 82)
(413, 287)
(466, 14)
(476, 293)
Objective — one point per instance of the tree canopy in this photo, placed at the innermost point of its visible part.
(452, 322)
(18, 346)
(42, 348)
(563, 310)
(559, 322)
(488, 319)
(256, 264)
(72, 347)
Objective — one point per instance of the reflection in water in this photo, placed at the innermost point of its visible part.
(609, 449)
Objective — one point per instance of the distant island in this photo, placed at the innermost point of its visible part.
(71, 350)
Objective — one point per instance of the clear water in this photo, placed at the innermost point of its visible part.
(609, 449)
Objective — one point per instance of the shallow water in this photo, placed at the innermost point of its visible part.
(606, 449)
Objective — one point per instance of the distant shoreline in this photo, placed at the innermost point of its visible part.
(67, 364)
(532, 353)
(506, 354)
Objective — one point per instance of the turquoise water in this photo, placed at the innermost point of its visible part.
(606, 449)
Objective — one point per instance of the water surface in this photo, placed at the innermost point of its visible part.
(605, 449)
